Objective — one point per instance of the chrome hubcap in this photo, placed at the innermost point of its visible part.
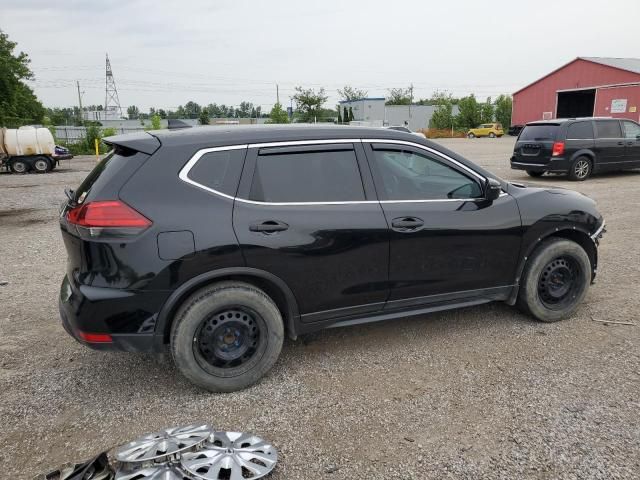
(231, 455)
(581, 169)
(41, 165)
(19, 167)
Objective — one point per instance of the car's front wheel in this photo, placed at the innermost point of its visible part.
(492, 135)
(555, 280)
(226, 336)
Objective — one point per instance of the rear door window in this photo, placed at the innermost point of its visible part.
(307, 176)
(608, 129)
(631, 130)
(580, 130)
(539, 132)
(219, 171)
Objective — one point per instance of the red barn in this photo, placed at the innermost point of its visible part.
(584, 87)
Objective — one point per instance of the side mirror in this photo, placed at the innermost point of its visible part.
(493, 189)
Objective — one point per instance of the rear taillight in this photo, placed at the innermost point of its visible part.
(95, 337)
(558, 149)
(107, 218)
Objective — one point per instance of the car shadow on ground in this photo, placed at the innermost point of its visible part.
(375, 339)
(551, 177)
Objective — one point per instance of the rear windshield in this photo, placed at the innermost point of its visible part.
(539, 132)
(104, 171)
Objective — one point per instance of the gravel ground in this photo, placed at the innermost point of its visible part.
(483, 392)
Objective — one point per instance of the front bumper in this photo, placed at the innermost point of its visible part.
(124, 316)
(555, 165)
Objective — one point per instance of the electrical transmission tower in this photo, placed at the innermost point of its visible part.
(111, 101)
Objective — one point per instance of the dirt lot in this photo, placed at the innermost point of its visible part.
(483, 392)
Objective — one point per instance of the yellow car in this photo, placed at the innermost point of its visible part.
(491, 130)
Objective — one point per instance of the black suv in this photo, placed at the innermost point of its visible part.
(217, 241)
(577, 146)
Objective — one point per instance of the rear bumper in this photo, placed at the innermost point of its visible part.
(556, 165)
(105, 311)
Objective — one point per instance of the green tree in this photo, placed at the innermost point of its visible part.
(278, 115)
(442, 117)
(309, 103)
(192, 109)
(203, 118)
(133, 112)
(162, 113)
(486, 111)
(504, 103)
(348, 93)
(399, 96)
(469, 113)
(339, 113)
(155, 122)
(350, 114)
(18, 103)
(346, 115)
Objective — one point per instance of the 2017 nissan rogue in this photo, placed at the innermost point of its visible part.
(217, 242)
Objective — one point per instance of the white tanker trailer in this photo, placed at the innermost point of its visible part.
(27, 148)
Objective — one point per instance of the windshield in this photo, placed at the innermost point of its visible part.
(539, 132)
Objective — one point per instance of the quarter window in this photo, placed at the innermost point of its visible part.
(406, 175)
(310, 176)
(631, 130)
(580, 130)
(219, 171)
(608, 129)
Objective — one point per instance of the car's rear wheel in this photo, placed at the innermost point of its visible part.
(555, 280)
(534, 174)
(580, 169)
(225, 337)
(470, 135)
(41, 165)
(492, 135)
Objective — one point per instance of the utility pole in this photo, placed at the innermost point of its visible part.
(80, 102)
(410, 98)
(277, 93)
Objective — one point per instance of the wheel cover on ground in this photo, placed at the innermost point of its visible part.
(231, 455)
(163, 445)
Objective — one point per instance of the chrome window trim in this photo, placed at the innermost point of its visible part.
(184, 172)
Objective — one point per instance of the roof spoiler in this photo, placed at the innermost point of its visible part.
(174, 124)
(139, 141)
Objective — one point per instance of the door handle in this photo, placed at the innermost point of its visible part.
(407, 224)
(268, 226)
(620, 143)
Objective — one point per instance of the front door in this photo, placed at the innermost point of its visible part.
(631, 141)
(609, 145)
(304, 215)
(447, 241)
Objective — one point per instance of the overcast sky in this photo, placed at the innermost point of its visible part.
(165, 53)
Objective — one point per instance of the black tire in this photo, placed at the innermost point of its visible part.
(202, 351)
(470, 135)
(19, 166)
(41, 165)
(492, 135)
(580, 169)
(555, 280)
(533, 174)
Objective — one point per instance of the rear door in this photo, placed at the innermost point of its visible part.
(535, 143)
(447, 241)
(632, 141)
(579, 137)
(609, 145)
(308, 214)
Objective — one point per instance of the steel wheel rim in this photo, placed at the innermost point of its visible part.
(163, 445)
(231, 455)
(41, 165)
(581, 169)
(230, 341)
(19, 167)
(558, 283)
